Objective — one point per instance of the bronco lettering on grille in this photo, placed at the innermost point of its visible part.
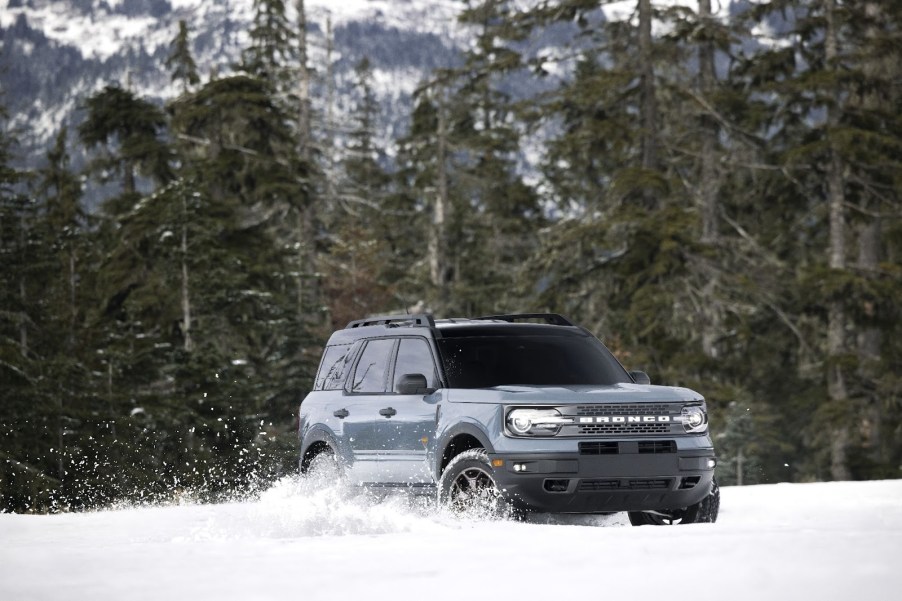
(625, 419)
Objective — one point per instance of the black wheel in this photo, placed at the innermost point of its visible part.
(467, 486)
(703, 512)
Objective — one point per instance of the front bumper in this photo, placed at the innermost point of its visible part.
(625, 479)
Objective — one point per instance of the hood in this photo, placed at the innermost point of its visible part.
(574, 395)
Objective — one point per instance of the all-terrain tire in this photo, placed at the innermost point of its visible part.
(467, 487)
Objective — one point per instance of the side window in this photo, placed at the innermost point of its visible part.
(370, 373)
(334, 367)
(414, 357)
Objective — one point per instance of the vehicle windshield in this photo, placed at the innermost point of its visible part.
(529, 360)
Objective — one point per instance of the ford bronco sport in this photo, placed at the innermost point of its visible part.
(527, 411)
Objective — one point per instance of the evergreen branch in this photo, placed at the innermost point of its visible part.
(769, 257)
(783, 317)
(16, 370)
(26, 467)
(242, 149)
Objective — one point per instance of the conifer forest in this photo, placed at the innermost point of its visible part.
(717, 197)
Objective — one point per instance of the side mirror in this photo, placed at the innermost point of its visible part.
(640, 377)
(412, 384)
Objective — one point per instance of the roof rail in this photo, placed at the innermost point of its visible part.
(422, 319)
(550, 318)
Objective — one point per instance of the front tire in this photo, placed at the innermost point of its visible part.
(467, 487)
(703, 512)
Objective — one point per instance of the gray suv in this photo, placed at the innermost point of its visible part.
(528, 412)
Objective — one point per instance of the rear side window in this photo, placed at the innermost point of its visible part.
(333, 368)
(370, 374)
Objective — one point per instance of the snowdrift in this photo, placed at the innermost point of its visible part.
(786, 541)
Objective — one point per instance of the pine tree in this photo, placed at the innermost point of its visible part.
(241, 165)
(424, 187)
(271, 51)
(827, 135)
(362, 256)
(24, 479)
(128, 130)
(459, 164)
(64, 222)
(180, 61)
(486, 145)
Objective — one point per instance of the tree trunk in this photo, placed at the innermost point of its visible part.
(305, 136)
(23, 295)
(329, 149)
(73, 308)
(648, 102)
(186, 297)
(870, 236)
(128, 177)
(836, 315)
(23, 319)
(708, 183)
(437, 251)
(306, 217)
(708, 180)
(869, 341)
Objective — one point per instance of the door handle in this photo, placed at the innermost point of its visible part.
(387, 412)
(341, 413)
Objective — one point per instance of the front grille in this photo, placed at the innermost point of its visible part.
(622, 412)
(653, 447)
(624, 484)
(594, 429)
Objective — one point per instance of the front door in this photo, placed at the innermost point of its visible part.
(406, 423)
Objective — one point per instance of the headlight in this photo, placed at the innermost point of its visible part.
(536, 422)
(694, 418)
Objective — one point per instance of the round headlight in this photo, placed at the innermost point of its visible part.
(694, 419)
(536, 422)
(520, 424)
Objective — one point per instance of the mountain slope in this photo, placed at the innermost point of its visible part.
(57, 53)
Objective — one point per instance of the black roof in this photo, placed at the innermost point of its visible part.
(517, 324)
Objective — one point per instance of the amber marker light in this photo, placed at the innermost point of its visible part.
(497, 462)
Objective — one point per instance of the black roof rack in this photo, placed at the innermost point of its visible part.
(550, 318)
(422, 319)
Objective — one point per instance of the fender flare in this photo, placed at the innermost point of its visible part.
(448, 435)
(319, 434)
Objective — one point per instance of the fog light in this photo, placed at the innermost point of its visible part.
(519, 467)
(712, 464)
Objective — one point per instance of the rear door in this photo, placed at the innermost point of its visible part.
(364, 395)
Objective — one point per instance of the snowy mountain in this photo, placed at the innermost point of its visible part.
(58, 52)
(826, 541)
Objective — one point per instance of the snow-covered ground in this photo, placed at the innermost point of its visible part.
(786, 541)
